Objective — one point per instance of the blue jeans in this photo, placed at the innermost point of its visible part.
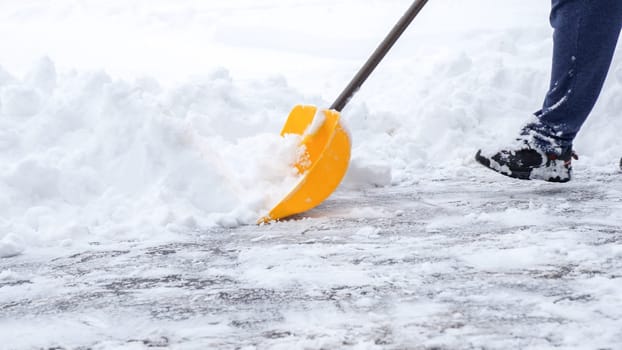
(585, 38)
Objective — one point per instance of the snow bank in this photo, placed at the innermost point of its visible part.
(85, 156)
(428, 114)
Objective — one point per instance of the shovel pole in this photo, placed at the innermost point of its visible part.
(378, 55)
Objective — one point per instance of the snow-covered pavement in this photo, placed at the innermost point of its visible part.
(444, 264)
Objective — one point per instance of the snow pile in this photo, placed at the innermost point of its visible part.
(430, 118)
(83, 154)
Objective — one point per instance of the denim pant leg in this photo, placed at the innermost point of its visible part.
(585, 38)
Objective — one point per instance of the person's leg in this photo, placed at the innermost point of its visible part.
(586, 33)
(585, 37)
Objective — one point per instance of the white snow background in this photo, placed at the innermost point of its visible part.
(138, 123)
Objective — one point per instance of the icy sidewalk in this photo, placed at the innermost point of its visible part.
(479, 263)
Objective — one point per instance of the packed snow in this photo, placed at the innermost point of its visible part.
(132, 132)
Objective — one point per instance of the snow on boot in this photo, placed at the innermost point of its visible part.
(526, 162)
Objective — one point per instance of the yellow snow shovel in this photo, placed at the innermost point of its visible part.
(325, 140)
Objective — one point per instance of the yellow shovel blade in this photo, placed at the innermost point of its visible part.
(323, 166)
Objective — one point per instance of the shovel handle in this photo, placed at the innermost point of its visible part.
(378, 55)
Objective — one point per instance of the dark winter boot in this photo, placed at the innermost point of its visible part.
(526, 162)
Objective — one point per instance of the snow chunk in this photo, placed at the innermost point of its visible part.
(8, 275)
(367, 173)
(11, 245)
(506, 259)
(368, 232)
